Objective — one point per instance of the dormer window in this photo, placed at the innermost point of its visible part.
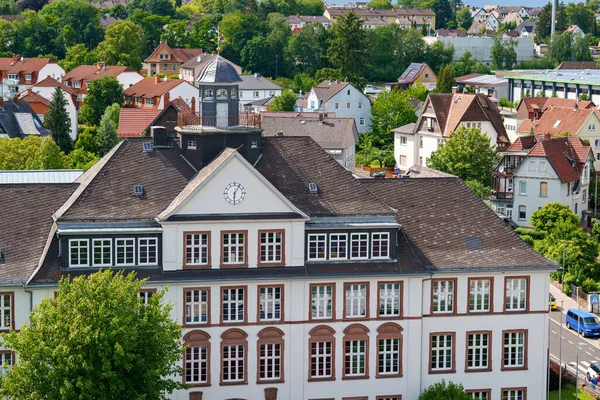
(149, 101)
(102, 252)
(28, 77)
(430, 124)
(78, 252)
(13, 76)
(359, 246)
(76, 84)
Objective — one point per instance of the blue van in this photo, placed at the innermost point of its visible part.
(589, 325)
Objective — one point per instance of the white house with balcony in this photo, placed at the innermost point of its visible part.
(19, 73)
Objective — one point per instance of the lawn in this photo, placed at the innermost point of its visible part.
(568, 393)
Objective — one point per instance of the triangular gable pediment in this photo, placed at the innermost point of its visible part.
(229, 187)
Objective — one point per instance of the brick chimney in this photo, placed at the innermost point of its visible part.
(193, 104)
(100, 66)
(547, 136)
(16, 57)
(167, 98)
(156, 79)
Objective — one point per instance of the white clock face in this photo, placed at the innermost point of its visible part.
(234, 193)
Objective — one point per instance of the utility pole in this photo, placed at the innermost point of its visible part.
(560, 353)
(553, 22)
(577, 354)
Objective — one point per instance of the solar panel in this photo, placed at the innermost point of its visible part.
(138, 190)
(147, 147)
(313, 188)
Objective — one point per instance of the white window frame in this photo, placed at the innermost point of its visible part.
(236, 302)
(269, 303)
(145, 295)
(360, 105)
(222, 93)
(194, 307)
(191, 145)
(513, 353)
(355, 295)
(378, 241)
(76, 84)
(316, 239)
(255, 94)
(348, 106)
(403, 140)
(123, 243)
(523, 188)
(355, 357)
(389, 299)
(273, 241)
(478, 346)
(516, 293)
(363, 244)
(339, 240)
(269, 357)
(513, 394)
(361, 121)
(149, 101)
(196, 361)
(478, 290)
(389, 354)
(147, 245)
(444, 291)
(233, 249)
(102, 246)
(592, 127)
(197, 248)
(321, 354)
(6, 311)
(79, 247)
(236, 363)
(6, 362)
(14, 77)
(524, 208)
(442, 351)
(321, 301)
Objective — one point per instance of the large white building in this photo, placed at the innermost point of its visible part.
(480, 47)
(19, 73)
(291, 278)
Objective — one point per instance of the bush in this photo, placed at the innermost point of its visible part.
(589, 285)
(537, 235)
(528, 239)
(554, 376)
(173, 76)
(389, 161)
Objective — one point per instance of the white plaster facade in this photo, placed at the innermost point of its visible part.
(9, 88)
(186, 91)
(47, 92)
(480, 47)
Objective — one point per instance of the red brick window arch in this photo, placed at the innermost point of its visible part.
(270, 355)
(389, 350)
(234, 357)
(356, 352)
(321, 350)
(196, 362)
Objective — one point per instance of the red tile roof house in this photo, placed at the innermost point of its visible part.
(79, 77)
(136, 122)
(18, 73)
(156, 93)
(39, 96)
(167, 61)
(536, 171)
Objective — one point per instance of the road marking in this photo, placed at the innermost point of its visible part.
(571, 342)
(589, 353)
(572, 364)
(553, 331)
(585, 363)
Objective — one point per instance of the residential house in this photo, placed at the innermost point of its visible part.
(577, 65)
(338, 136)
(282, 266)
(415, 72)
(300, 21)
(534, 12)
(418, 22)
(450, 33)
(511, 122)
(136, 122)
(167, 61)
(479, 14)
(256, 88)
(40, 95)
(18, 120)
(577, 32)
(340, 98)
(489, 85)
(190, 70)
(157, 93)
(374, 22)
(513, 17)
(332, 13)
(80, 77)
(536, 171)
(489, 24)
(526, 29)
(443, 114)
(259, 106)
(18, 73)
(533, 108)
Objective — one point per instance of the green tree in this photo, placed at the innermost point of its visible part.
(307, 50)
(446, 80)
(14, 153)
(543, 25)
(347, 50)
(481, 190)
(302, 82)
(155, 7)
(96, 339)
(438, 55)
(554, 215)
(58, 122)
(36, 34)
(465, 65)
(463, 18)
(467, 154)
(101, 93)
(81, 159)
(444, 391)
(370, 152)
(87, 140)
(80, 17)
(122, 45)
(48, 156)
(77, 55)
(417, 91)
(326, 74)
(503, 53)
(238, 29)
(151, 29)
(9, 7)
(284, 102)
(390, 110)
(277, 39)
(7, 31)
(579, 14)
(443, 13)
(115, 111)
(34, 5)
(310, 7)
(258, 56)
(380, 4)
(107, 133)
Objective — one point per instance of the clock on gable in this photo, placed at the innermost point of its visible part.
(234, 193)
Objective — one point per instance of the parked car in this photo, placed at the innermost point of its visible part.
(552, 302)
(593, 371)
(588, 323)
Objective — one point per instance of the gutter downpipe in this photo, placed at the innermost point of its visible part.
(422, 338)
(26, 290)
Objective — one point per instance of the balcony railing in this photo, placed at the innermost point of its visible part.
(502, 195)
(250, 120)
(7, 81)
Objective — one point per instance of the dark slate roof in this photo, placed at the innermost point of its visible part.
(19, 120)
(330, 133)
(219, 71)
(291, 163)
(26, 223)
(441, 106)
(452, 227)
(109, 196)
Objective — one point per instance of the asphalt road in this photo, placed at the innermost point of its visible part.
(589, 348)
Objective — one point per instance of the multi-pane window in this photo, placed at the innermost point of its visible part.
(514, 349)
(478, 350)
(441, 352)
(317, 246)
(389, 356)
(442, 296)
(6, 362)
(355, 353)
(389, 299)
(196, 249)
(78, 252)
(321, 302)
(516, 294)
(101, 253)
(6, 310)
(479, 295)
(148, 251)
(269, 358)
(196, 306)
(513, 394)
(234, 248)
(338, 243)
(271, 247)
(479, 394)
(233, 363)
(380, 245)
(196, 365)
(359, 245)
(146, 294)
(321, 359)
(125, 251)
(356, 300)
(233, 302)
(269, 303)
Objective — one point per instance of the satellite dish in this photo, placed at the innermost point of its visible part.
(501, 168)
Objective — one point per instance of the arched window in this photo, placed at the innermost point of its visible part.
(321, 350)
(221, 93)
(270, 355)
(234, 357)
(356, 352)
(389, 350)
(234, 93)
(208, 93)
(196, 362)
